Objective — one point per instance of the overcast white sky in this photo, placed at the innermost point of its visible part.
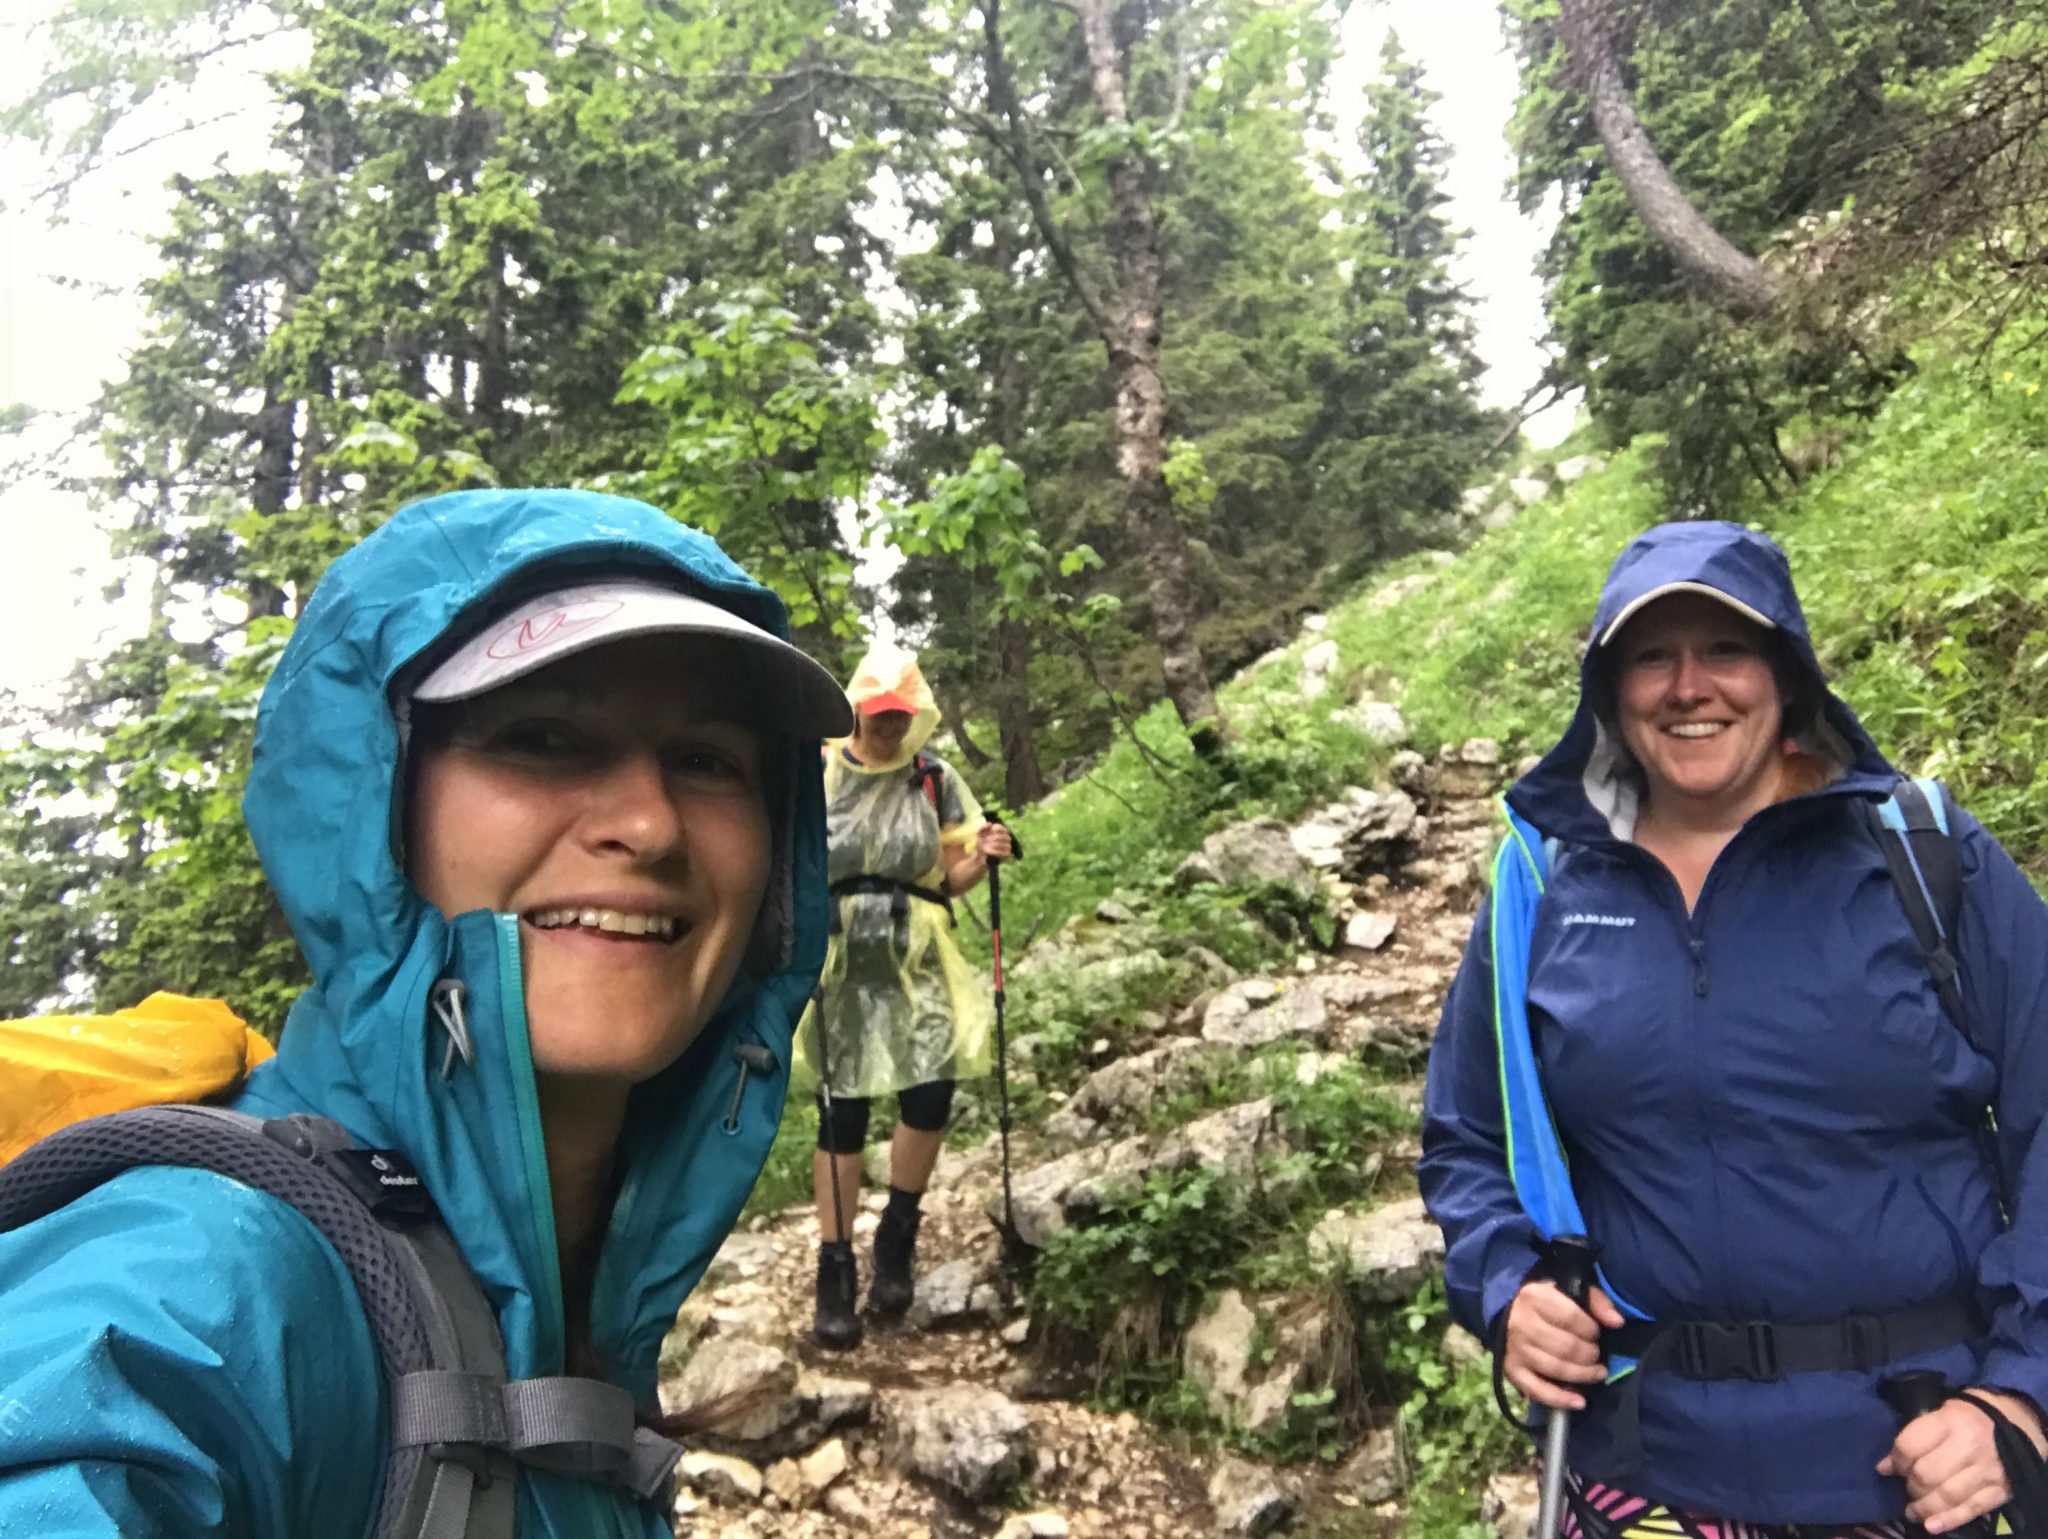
(69, 306)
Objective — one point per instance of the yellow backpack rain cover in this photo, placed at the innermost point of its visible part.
(59, 1069)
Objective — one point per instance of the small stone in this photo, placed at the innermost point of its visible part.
(848, 1508)
(970, 1439)
(1248, 1500)
(1479, 750)
(823, 1464)
(1017, 1332)
(1368, 932)
(720, 1477)
(944, 1295)
(1034, 1525)
(1109, 911)
(785, 1481)
(1257, 991)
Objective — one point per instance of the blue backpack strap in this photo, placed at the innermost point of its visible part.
(1535, 1154)
(1912, 829)
(1911, 826)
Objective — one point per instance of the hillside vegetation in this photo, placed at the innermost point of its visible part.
(1923, 561)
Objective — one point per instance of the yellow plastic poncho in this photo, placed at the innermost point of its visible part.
(901, 1006)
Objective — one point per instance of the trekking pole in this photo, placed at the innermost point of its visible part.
(1570, 1258)
(831, 1129)
(1016, 1253)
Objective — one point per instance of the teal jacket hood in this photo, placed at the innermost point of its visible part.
(413, 1035)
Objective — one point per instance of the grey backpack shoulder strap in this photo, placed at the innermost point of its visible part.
(459, 1429)
(75, 1159)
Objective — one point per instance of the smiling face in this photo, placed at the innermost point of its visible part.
(881, 733)
(1699, 706)
(616, 805)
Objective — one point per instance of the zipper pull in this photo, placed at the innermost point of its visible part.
(752, 1058)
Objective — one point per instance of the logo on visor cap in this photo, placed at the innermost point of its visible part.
(531, 633)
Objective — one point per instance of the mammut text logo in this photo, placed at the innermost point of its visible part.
(1611, 921)
(13, 1417)
(551, 626)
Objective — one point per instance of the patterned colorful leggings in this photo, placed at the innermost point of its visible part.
(1594, 1511)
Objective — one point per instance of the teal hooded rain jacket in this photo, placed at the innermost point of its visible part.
(180, 1355)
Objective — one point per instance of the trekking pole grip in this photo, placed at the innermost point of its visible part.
(1914, 1393)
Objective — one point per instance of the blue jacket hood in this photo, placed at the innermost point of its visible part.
(369, 1044)
(1583, 788)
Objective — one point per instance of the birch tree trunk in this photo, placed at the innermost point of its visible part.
(1132, 337)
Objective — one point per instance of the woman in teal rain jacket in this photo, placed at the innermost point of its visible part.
(536, 783)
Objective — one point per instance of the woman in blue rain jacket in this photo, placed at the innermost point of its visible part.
(536, 783)
(1770, 1120)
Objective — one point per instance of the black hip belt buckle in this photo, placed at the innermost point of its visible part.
(1739, 1349)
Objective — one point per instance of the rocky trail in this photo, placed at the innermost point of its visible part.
(956, 1420)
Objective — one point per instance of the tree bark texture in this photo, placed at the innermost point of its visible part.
(1735, 279)
(1023, 781)
(1133, 341)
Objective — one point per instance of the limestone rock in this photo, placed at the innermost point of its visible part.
(1248, 1500)
(760, 1378)
(1409, 771)
(1075, 1185)
(1034, 1525)
(1368, 932)
(1195, 870)
(1388, 1252)
(823, 1465)
(968, 1439)
(720, 1476)
(1400, 590)
(1377, 720)
(1317, 664)
(1128, 1088)
(1568, 471)
(1109, 911)
(945, 1295)
(1509, 1503)
(1220, 1355)
(1527, 489)
(1374, 1473)
(1258, 850)
(785, 1482)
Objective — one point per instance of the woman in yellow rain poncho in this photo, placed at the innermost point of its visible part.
(899, 1011)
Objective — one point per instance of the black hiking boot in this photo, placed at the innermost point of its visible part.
(895, 1283)
(836, 1326)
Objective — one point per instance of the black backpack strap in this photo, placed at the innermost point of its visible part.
(1912, 830)
(1911, 827)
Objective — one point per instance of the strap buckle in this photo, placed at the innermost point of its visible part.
(1741, 1349)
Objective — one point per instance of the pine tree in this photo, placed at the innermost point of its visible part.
(1402, 430)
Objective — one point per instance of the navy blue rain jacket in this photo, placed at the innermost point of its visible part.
(1767, 1113)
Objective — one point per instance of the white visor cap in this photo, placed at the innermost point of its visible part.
(1665, 590)
(794, 693)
